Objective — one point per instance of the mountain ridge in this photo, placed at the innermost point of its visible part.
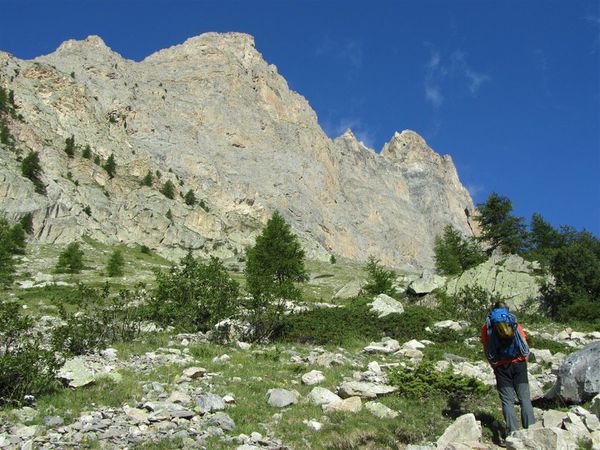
(216, 118)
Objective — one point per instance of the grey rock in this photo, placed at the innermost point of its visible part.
(313, 377)
(541, 439)
(426, 284)
(381, 411)
(465, 429)
(222, 420)
(280, 398)
(210, 402)
(25, 414)
(595, 406)
(363, 389)
(579, 375)
(348, 405)
(76, 373)
(383, 305)
(349, 290)
(387, 345)
(321, 396)
(53, 421)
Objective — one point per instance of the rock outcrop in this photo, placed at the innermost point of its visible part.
(579, 375)
(212, 116)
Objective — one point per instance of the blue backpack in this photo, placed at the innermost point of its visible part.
(504, 338)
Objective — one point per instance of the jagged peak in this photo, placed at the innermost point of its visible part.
(230, 41)
(92, 41)
(409, 144)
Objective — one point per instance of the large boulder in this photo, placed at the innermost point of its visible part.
(426, 284)
(364, 389)
(579, 375)
(280, 398)
(508, 277)
(349, 290)
(384, 305)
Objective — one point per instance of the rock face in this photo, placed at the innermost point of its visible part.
(579, 375)
(212, 116)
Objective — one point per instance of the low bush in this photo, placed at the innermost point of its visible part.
(102, 318)
(472, 303)
(424, 381)
(26, 368)
(355, 323)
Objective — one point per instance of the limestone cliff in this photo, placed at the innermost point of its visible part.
(212, 116)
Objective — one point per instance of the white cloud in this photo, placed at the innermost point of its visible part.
(439, 75)
(434, 95)
(349, 50)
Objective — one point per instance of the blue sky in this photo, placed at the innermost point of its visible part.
(510, 89)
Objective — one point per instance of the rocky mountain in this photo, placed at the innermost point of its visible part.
(213, 117)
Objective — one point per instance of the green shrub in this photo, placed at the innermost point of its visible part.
(379, 279)
(70, 146)
(168, 189)
(190, 198)
(27, 223)
(97, 160)
(193, 296)
(424, 381)
(116, 262)
(147, 180)
(332, 259)
(472, 304)
(32, 170)
(145, 249)
(70, 260)
(26, 368)
(12, 242)
(87, 152)
(102, 319)
(455, 253)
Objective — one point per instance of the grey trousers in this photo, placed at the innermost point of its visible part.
(511, 378)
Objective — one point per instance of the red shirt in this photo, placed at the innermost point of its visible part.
(484, 341)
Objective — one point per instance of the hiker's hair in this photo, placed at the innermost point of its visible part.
(499, 305)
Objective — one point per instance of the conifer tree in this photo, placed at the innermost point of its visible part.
(147, 180)
(499, 227)
(70, 146)
(190, 198)
(110, 166)
(168, 189)
(31, 169)
(114, 267)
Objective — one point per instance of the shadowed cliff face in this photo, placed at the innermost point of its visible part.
(212, 116)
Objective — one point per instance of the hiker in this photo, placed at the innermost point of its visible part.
(506, 349)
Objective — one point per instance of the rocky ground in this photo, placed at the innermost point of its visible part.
(170, 390)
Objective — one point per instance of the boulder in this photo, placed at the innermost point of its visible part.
(348, 405)
(321, 396)
(280, 398)
(508, 277)
(451, 325)
(194, 372)
(595, 407)
(350, 290)
(387, 345)
(465, 429)
(76, 373)
(541, 439)
(426, 284)
(384, 305)
(313, 377)
(579, 375)
(210, 402)
(381, 411)
(222, 420)
(364, 389)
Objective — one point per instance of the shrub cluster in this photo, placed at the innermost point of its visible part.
(12, 242)
(26, 367)
(379, 279)
(424, 381)
(193, 296)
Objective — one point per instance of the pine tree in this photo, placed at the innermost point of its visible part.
(455, 253)
(70, 146)
(70, 259)
(87, 152)
(147, 180)
(168, 189)
(110, 166)
(31, 169)
(114, 268)
(498, 227)
(190, 198)
(379, 279)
